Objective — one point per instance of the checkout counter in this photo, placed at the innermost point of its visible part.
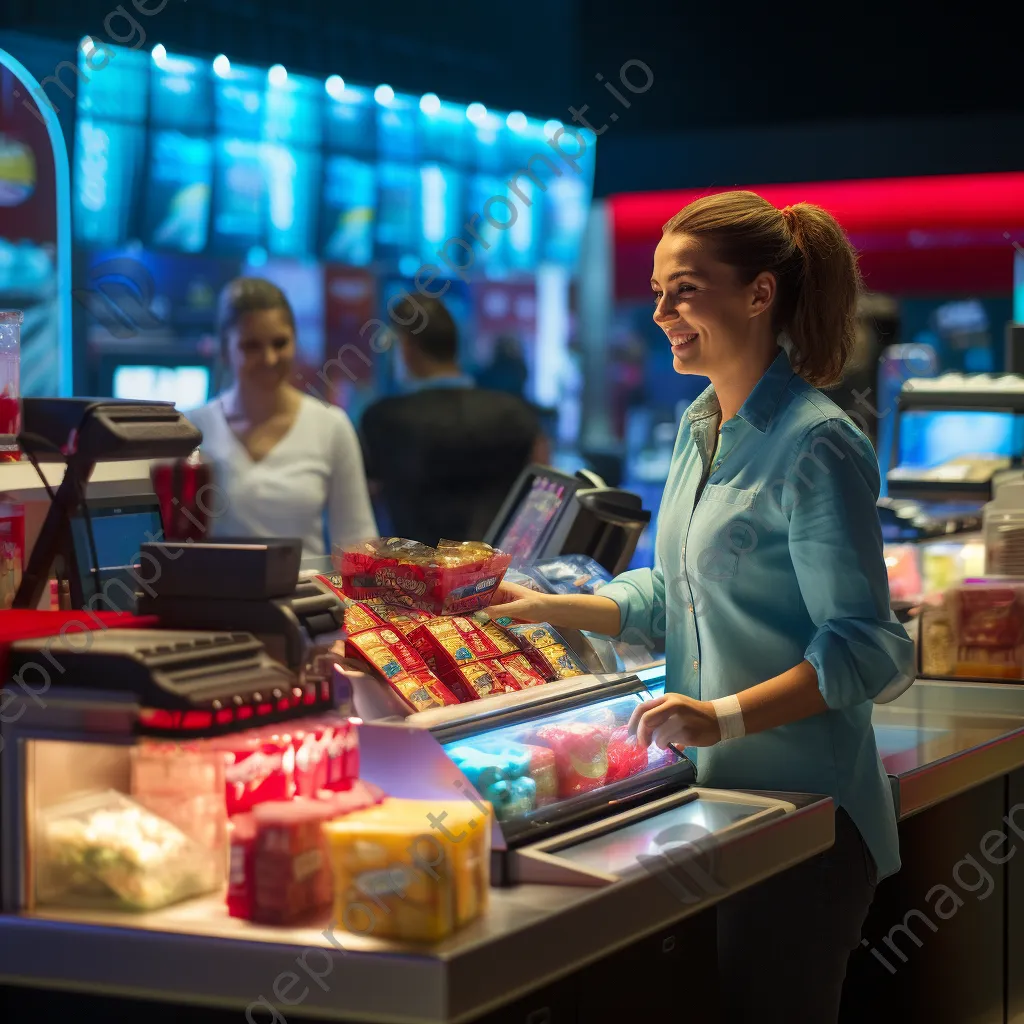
(604, 896)
(585, 889)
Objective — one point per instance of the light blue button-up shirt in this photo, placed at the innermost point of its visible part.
(778, 560)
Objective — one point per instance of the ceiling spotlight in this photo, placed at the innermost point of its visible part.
(221, 66)
(335, 86)
(429, 103)
(277, 76)
(516, 121)
(384, 94)
(477, 113)
(159, 54)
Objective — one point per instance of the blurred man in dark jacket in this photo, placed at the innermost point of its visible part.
(444, 456)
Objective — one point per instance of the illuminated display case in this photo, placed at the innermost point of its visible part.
(575, 800)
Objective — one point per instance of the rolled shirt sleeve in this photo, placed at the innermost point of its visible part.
(640, 595)
(858, 649)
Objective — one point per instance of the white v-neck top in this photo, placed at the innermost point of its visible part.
(315, 470)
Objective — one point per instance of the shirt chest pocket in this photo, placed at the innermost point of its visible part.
(723, 532)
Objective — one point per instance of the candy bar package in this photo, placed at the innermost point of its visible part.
(975, 631)
(396, 878)
(259, 766)
(497, 632)
(519, 667)
(393, 660)
(559, 661)
(453, 578)
(569, 574)
(290, 872)
(445, 643)
(464, 657)
(403, 620)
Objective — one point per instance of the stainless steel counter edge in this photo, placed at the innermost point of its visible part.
(919, 788)
(948, 777)
(531, 936)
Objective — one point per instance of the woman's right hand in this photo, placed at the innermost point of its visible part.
(518, 602)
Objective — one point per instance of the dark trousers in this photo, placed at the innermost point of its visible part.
(783, 945)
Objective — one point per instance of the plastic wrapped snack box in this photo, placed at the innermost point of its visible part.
(975, 631)
(397, 875)
(453, 578)
(104, 849)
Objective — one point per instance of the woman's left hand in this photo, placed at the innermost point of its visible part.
(675, 719)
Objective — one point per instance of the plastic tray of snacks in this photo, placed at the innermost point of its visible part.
(452, 579)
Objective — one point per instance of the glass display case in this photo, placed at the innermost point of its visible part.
(576, 801)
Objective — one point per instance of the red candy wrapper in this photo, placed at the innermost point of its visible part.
(581, 755)
(451, 579)
(259, 767)
(465, 658)
(519, 667)
(392, 659)
(625, 756)
(290, 869)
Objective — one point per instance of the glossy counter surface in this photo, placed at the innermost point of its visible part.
(942, 738)
(531, 935)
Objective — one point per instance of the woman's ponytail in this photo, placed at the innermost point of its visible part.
(822, 322)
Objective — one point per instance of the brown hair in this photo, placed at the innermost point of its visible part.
(815, 270)
(437, 337)
(249, 295)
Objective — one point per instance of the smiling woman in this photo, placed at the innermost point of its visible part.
(290, 465)
(769, 584)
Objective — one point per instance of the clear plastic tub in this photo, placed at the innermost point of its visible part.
(103, 849)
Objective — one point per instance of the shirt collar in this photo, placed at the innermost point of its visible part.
(761, 403)
(455, 380)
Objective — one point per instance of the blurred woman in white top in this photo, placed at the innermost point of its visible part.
(287, 464)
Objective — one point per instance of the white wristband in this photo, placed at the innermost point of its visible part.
(730, 717)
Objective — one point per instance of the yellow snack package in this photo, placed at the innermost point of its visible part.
(413, 870)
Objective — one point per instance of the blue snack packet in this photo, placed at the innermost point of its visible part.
(570, 574)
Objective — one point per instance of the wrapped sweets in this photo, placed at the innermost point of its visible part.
(453, 578)
(401, 668)
(543, 772)
(625, 756)
(581, 755)
(519, 668)
(500, 637)
(413, 870)
(403, 620)
(560, 661)
(283, 892)
(290, 873)
(513, 777)
(464, 658)
(259, 766)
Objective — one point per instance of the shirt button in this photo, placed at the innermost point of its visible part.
(695, 665)
(690, 608)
